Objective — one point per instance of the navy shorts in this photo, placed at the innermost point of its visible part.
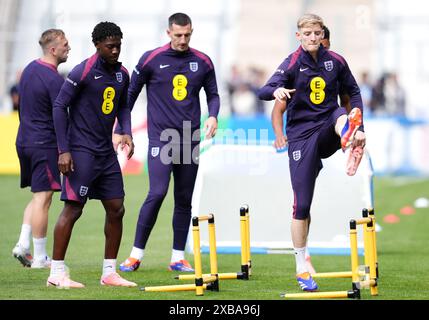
(305, 163)
(39, 169)
(94, 177)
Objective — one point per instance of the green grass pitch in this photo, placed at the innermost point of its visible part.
(402, 252)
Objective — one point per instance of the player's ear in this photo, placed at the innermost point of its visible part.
(97, 45)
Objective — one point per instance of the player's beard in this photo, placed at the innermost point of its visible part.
(62, 59)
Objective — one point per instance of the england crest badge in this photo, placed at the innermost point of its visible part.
(296, 155)
(193, 66)
(329, 65)
(154, 151)
(83, 191)
(119, 76)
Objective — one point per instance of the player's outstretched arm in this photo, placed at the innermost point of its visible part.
(282, 93)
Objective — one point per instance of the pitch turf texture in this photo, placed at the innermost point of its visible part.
(402, 255)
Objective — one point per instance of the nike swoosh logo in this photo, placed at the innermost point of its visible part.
(302, 69)
(162, 66)
(97, 77)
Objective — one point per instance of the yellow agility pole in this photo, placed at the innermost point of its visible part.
(202, 282)
(340, 274)
(354, 257)
(370, 236)
(213, 255)
(172, 288)
(249, 259)
(199, 290)
(319, 295)
(221, 276)
(371, 214)
(366, 240)
(244, 243)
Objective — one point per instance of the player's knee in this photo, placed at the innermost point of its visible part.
(43, 199)
(302, 212)
(120, 212)
(183, 200)
(116, 213)
(182, 205)
(48, 201)
(157, 196)
(72, 211)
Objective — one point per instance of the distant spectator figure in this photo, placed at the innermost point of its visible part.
(378, 99)
(394, 96)
(234, 82)
(242, 91)
(366, 92)
(14, 92)
(256, 80)
(244, 100)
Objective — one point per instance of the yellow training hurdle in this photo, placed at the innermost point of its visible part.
(360, 278)
(246, 262)
(208, 281)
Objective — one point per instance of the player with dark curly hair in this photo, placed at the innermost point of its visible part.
(93, 96)
(105, 30)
